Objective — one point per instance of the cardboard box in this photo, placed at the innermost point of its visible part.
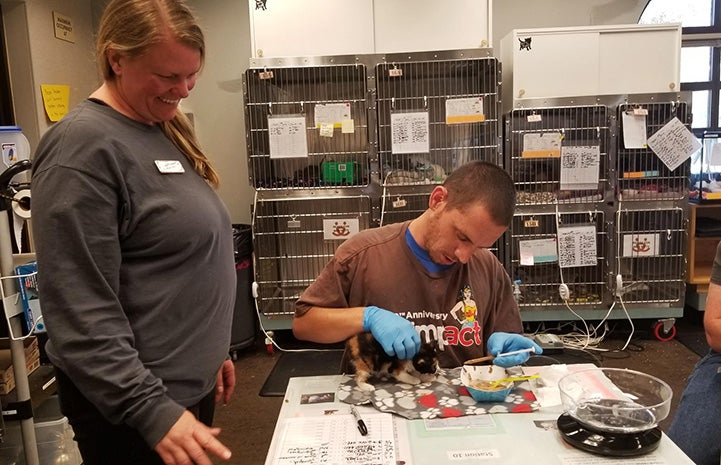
(7, 374)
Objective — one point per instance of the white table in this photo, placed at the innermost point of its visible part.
(510, 438)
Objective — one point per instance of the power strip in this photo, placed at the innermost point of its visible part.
(550, 343)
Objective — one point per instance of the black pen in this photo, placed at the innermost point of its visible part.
(361, 424)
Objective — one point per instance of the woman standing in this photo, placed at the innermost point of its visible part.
(134, 250)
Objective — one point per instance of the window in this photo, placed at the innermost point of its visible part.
(700, 54)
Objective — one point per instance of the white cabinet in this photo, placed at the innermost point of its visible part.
(592, 60)
(347, 27)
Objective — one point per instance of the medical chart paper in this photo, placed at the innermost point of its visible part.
(335, 440)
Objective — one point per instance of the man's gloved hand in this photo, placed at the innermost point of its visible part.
(500, 343)
(397, 335)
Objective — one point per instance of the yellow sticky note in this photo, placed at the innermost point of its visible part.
(56, 98)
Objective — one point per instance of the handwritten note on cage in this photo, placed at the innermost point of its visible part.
(287, 137)
(464, 110)
(542, 145)
(579, 167)
(335, 440)
(538, 251)
(409, 132)
(331, 113)
(577, 246)
(673, 143)
(340, 228)
(634, 130)
(640, 245)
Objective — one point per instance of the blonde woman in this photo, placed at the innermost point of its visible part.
(135, 252)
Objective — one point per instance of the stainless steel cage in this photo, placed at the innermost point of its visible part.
(558, 154)
(435, 115)
(294, 238)
(549, 249)
(642, 175)
(650, 246)
(330, 103)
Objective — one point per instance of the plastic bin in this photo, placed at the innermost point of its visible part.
(53, 434)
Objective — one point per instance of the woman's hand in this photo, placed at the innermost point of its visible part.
(226, 382)
(189, 442)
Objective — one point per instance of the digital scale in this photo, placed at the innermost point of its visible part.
(607, 443)
(613, 412)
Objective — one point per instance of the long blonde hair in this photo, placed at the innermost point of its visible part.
(130, 27)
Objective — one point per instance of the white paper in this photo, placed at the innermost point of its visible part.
(331, 113)
(340, 228)
(538, 251)
(640, 245)
(577, 246)
(634, 130)
(335, 440)
(409, 132)
(543, 144)
(464, 110)
(287, 137)
(326, 130)
(347, 126)
(673, 143)
(580, 166)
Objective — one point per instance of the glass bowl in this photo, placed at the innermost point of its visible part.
(615, 400)
(478, 379)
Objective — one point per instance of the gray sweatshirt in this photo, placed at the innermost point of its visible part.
(135, 267)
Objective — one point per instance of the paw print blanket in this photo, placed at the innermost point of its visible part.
(445, 397)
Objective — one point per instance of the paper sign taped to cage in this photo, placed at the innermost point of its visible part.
(640, 245)
(409, 132)
(673, 143)
(580, 166)
(340, 228)
(634, 130)
(331, 113)
(538, 251)
(542, 145)
(577, 246)
(464, 110)
(287, 137)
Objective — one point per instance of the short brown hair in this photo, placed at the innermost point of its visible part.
(485, 183)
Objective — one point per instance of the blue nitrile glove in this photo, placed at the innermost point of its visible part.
(501, 343)
(397, 335)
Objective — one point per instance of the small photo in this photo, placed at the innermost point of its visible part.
(318, 398)
(547, 425)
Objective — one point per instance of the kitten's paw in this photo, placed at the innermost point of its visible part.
(408, 379)
(366, 387)
(428, 377)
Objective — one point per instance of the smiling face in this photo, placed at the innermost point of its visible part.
(149, 87)
(452, 235)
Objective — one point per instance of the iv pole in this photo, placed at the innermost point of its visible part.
(17, 349)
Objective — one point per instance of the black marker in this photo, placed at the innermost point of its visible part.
(361, 424)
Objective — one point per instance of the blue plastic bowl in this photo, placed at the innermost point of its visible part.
(470, 375)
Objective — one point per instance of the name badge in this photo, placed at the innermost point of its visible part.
(169, 166)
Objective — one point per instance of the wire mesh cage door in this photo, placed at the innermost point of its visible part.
(434, 116)
(294, 238)
(548, 249)
(307, 126)
(650, 255)
(559, 155)
(642, 175)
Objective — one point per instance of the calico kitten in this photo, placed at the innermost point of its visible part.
(365, 357)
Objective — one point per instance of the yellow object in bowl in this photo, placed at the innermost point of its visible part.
(484, 382)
